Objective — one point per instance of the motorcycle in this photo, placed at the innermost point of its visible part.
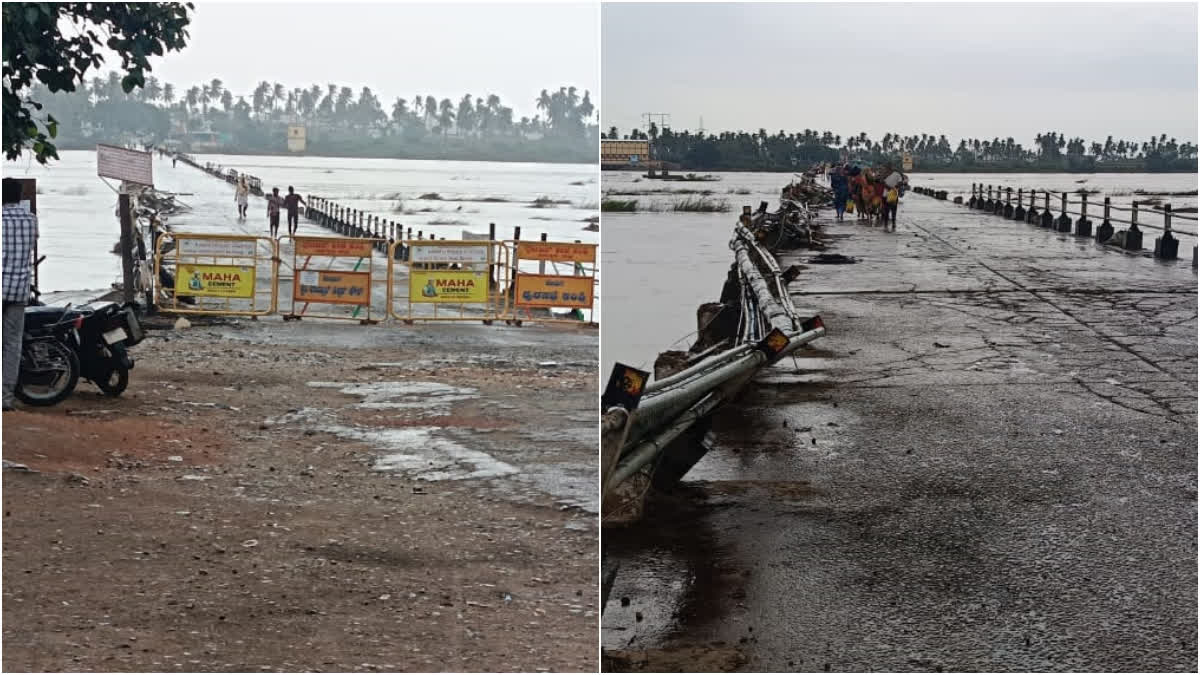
(49, 367)
(98, 337)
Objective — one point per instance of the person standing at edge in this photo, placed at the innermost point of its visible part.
(20, 233)
(293, 201)
(274, 201)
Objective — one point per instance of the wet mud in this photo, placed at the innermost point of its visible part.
(311, 497)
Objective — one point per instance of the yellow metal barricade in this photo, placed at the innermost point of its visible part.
(447, 280)
(215, 274)
(565, 278)
(331, 278)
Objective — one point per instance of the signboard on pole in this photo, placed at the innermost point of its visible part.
(556, 252)
(333, 247)
(124, 164)
(444, 252)
(907, 161)
(217, 248)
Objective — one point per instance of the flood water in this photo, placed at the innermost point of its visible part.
(76, 209)
(660, 265)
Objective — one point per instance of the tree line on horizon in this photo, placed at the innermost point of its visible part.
(337, 120)
(785, 151)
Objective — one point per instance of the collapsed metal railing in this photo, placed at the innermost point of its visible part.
(635, 440)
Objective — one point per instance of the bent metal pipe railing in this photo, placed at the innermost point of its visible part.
(671, 405)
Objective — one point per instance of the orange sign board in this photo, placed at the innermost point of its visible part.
(333, 247)
(543, 290)
(343, 288)
(556, 252)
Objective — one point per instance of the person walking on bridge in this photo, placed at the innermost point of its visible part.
(274, 202)
(242, 197)
(891, 204)
(841, 191)
(293, 201)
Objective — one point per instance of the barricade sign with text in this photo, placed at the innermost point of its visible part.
(220, 275)
(565, 279)
(447, 281)
(332, 278)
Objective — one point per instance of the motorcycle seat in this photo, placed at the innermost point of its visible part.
(39, 316)
(44, 311)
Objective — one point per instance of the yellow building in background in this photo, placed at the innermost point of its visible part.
(623, 154)
(296, 138)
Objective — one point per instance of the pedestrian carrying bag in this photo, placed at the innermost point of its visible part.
(893, 196)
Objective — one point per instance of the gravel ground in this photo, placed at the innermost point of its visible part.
(988, 464)
(315, 496)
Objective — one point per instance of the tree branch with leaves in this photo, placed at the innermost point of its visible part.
(36, 49)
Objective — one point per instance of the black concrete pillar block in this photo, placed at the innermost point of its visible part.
(1009, 211)
(971, 204)
(1133, 239)
(1083, 227)
(1194, 258)
(1063, 223)
(1018, 213)
(1047, 218)
(1104, 232)
(958, 199)
(1166, 247)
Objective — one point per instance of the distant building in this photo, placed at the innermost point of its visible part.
(296, 138)
(205, 141)
(616, 154)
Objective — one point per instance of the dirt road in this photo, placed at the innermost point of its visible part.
(290, 497)
(988, 464)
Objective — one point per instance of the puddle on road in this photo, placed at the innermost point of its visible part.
(436, 453)
(426, 455)
(430, 399)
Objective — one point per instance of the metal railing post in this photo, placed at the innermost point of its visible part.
(1083, 226)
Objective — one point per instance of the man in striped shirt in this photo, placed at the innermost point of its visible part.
(20, 233)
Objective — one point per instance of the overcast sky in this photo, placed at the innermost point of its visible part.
(443, 49)
(966, 70)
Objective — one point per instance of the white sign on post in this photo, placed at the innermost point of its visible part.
(217, 248)
(440, 253)
(124, 164)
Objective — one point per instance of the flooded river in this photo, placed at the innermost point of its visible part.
(661, 264)
(79, 228)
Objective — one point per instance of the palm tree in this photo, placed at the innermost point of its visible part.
(168, 95)
(153, 90)
(399, 112)
(226, 100)
(192, 99)
(259, 99)
(466, 115)
(431, 109)
(445, 116)
(544, 102)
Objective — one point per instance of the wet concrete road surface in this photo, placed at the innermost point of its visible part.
(988, 464)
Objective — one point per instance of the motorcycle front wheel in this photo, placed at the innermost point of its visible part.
(49, 372)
